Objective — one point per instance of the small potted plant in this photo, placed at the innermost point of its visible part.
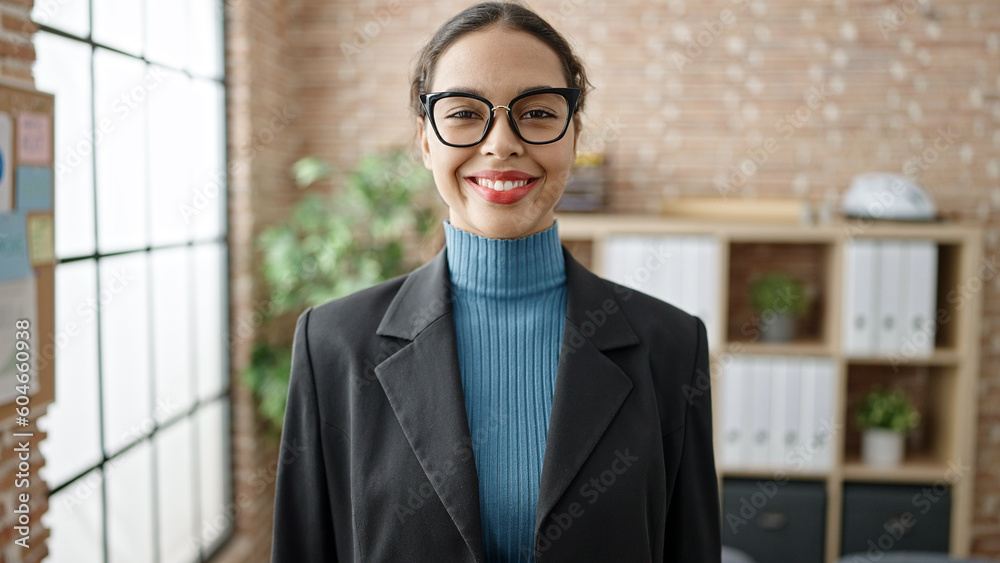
(778, 299)
(885, 416)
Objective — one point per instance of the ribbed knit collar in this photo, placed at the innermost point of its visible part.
(504, 267)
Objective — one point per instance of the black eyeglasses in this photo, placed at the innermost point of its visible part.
(538, 117)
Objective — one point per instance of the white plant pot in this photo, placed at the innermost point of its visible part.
(778, 328)
(882, 448)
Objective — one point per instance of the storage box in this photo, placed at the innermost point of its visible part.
(881, 518)
(775, 521)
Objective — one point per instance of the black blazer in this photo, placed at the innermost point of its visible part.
(376, 456)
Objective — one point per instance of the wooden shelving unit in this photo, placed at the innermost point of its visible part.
(950, 373)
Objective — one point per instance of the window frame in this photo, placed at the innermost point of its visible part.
(199, 404)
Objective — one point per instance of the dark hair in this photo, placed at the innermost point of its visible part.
(488, 14)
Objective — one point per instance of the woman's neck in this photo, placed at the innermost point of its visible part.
(504, 268)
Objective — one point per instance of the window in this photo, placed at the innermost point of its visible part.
(138, 447)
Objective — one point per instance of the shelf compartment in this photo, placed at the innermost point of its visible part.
(952, 296)
(932, 445)
(810, 263)
(911, 517)
(775, 521)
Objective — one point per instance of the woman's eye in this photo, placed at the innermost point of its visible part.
(464, 114)
(538, 114)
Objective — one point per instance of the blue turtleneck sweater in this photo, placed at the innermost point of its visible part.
(509, 302)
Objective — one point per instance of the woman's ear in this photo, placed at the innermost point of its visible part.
(425, 149)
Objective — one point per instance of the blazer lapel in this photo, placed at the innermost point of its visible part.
(589, 386)
(424, 387)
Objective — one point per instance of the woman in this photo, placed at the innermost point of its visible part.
(500, 403)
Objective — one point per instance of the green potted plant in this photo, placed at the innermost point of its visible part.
(378, 225)
(885, 416)
(778, 299)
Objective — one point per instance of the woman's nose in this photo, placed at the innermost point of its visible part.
(502, 141)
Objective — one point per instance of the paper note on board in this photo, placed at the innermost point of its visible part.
(41, 239)
(13, 247)
(34, 138)
(34, 188)
(6, 170)
(17, 301)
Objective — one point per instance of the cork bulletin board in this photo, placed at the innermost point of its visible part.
(27, 246)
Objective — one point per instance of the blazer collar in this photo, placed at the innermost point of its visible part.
(424, 387)
(426, 296)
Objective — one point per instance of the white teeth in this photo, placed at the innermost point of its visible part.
(500, 186)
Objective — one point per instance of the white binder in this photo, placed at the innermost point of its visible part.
(681, 270)
(793, 410)
(824, 421)
(614, 259)
(919, 301)
(622, 258)
(891, 267)
(818, 438)
(747, 410)
(734, 388)
(807, 416)
(779, 401)
(664, 256)
(860, 312)
(760, 395)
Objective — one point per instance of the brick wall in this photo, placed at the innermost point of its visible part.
(261, 111)
(16, 29)
(16, 56)
(687, 95)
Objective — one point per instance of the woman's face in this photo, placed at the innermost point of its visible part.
(498, 65)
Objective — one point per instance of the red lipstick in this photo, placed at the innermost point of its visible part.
(491, 177)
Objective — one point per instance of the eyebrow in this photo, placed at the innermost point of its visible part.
(477, 92)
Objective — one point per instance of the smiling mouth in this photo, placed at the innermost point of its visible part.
(503, 192)
(502, 186)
